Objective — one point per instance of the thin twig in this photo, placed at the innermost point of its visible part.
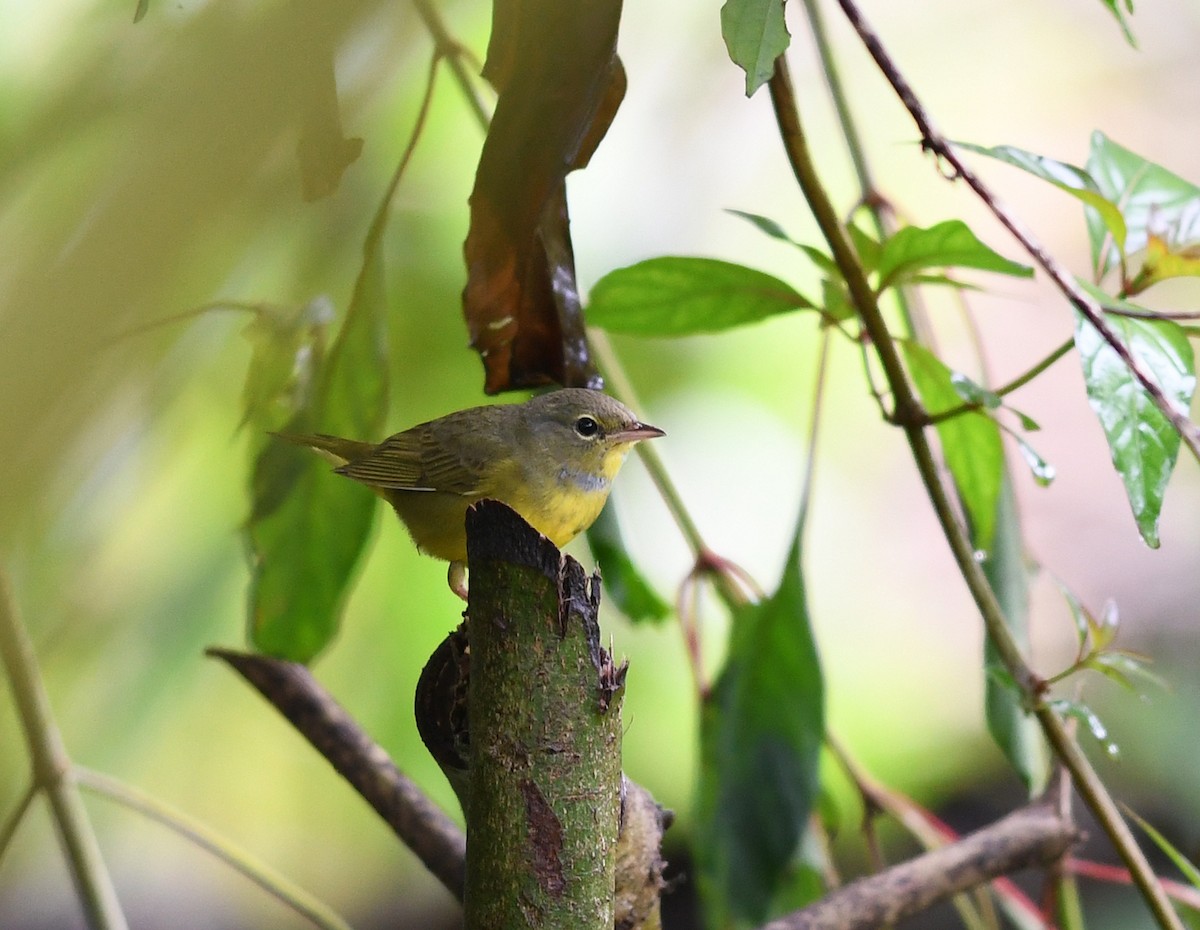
(447, 47)
(195, 832)
(1018, 382)
(52, 772)
(9, 828)
(435, 839)
(1151, 314)
(935, 142)
(910, 416)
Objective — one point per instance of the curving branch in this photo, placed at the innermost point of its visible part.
(1032, 836)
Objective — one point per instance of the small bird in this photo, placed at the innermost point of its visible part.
(551, 459)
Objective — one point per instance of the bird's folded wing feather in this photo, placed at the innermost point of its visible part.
(417, 461)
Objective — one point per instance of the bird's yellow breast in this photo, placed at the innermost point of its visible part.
(559, 503)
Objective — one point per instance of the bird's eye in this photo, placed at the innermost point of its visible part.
(587, 427)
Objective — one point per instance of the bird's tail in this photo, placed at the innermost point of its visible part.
(337, 450)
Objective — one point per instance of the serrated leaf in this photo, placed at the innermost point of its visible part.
(1074, 181)
(623, 584)
(970, 442)
(1015, 731)
(1143, 443)
(761, 730)
(950, 244)
(1152, 199)
(685, 296)
(309, 527)
(755, 35)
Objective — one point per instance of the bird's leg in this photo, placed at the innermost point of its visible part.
(456, 577)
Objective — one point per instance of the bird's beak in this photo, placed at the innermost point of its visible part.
(636, 433)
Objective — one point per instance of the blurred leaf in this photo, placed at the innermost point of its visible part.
(560, 84)
(836, 299)
(972, 393)
(755, 36)
(821, 260)
(623, 583)
(287, 350)
(1068, 907)
(1143, 443)
(1043, 472)
(1190, 872)
(1085, 715)
(761, 730)
(1028, 423)
(1114, 7)
(970, 442)
(767, 225)
(309, 527)
(684, 296)
(1124, 668)
(1015, 731)
(1075, 181)
(1161, 263)
(1080, 615)
(867, 246)
(947, 245)
(1106, 625)
(804, 881)
(1152, 199)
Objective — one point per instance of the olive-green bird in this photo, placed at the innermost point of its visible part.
(551, 459)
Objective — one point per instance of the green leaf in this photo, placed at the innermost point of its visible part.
(970, 442)
(755, 35)
(285, 356)
(761, 730)
(1075, 181)
(309, 527)
(836, 299)
(1086, 716)
(822, 260)
(1162, 262)
(972, 393)
(1043, 472)
(623, 583)
(684, 296)
(1143, 443)
(1123, 668)
(867, 246)
(1190, 872)
(1015, 731)
(765, 224)
(947, 245)
(1152, 199)
(1114, 7)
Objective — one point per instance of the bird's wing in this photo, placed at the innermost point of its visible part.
(416, 460)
